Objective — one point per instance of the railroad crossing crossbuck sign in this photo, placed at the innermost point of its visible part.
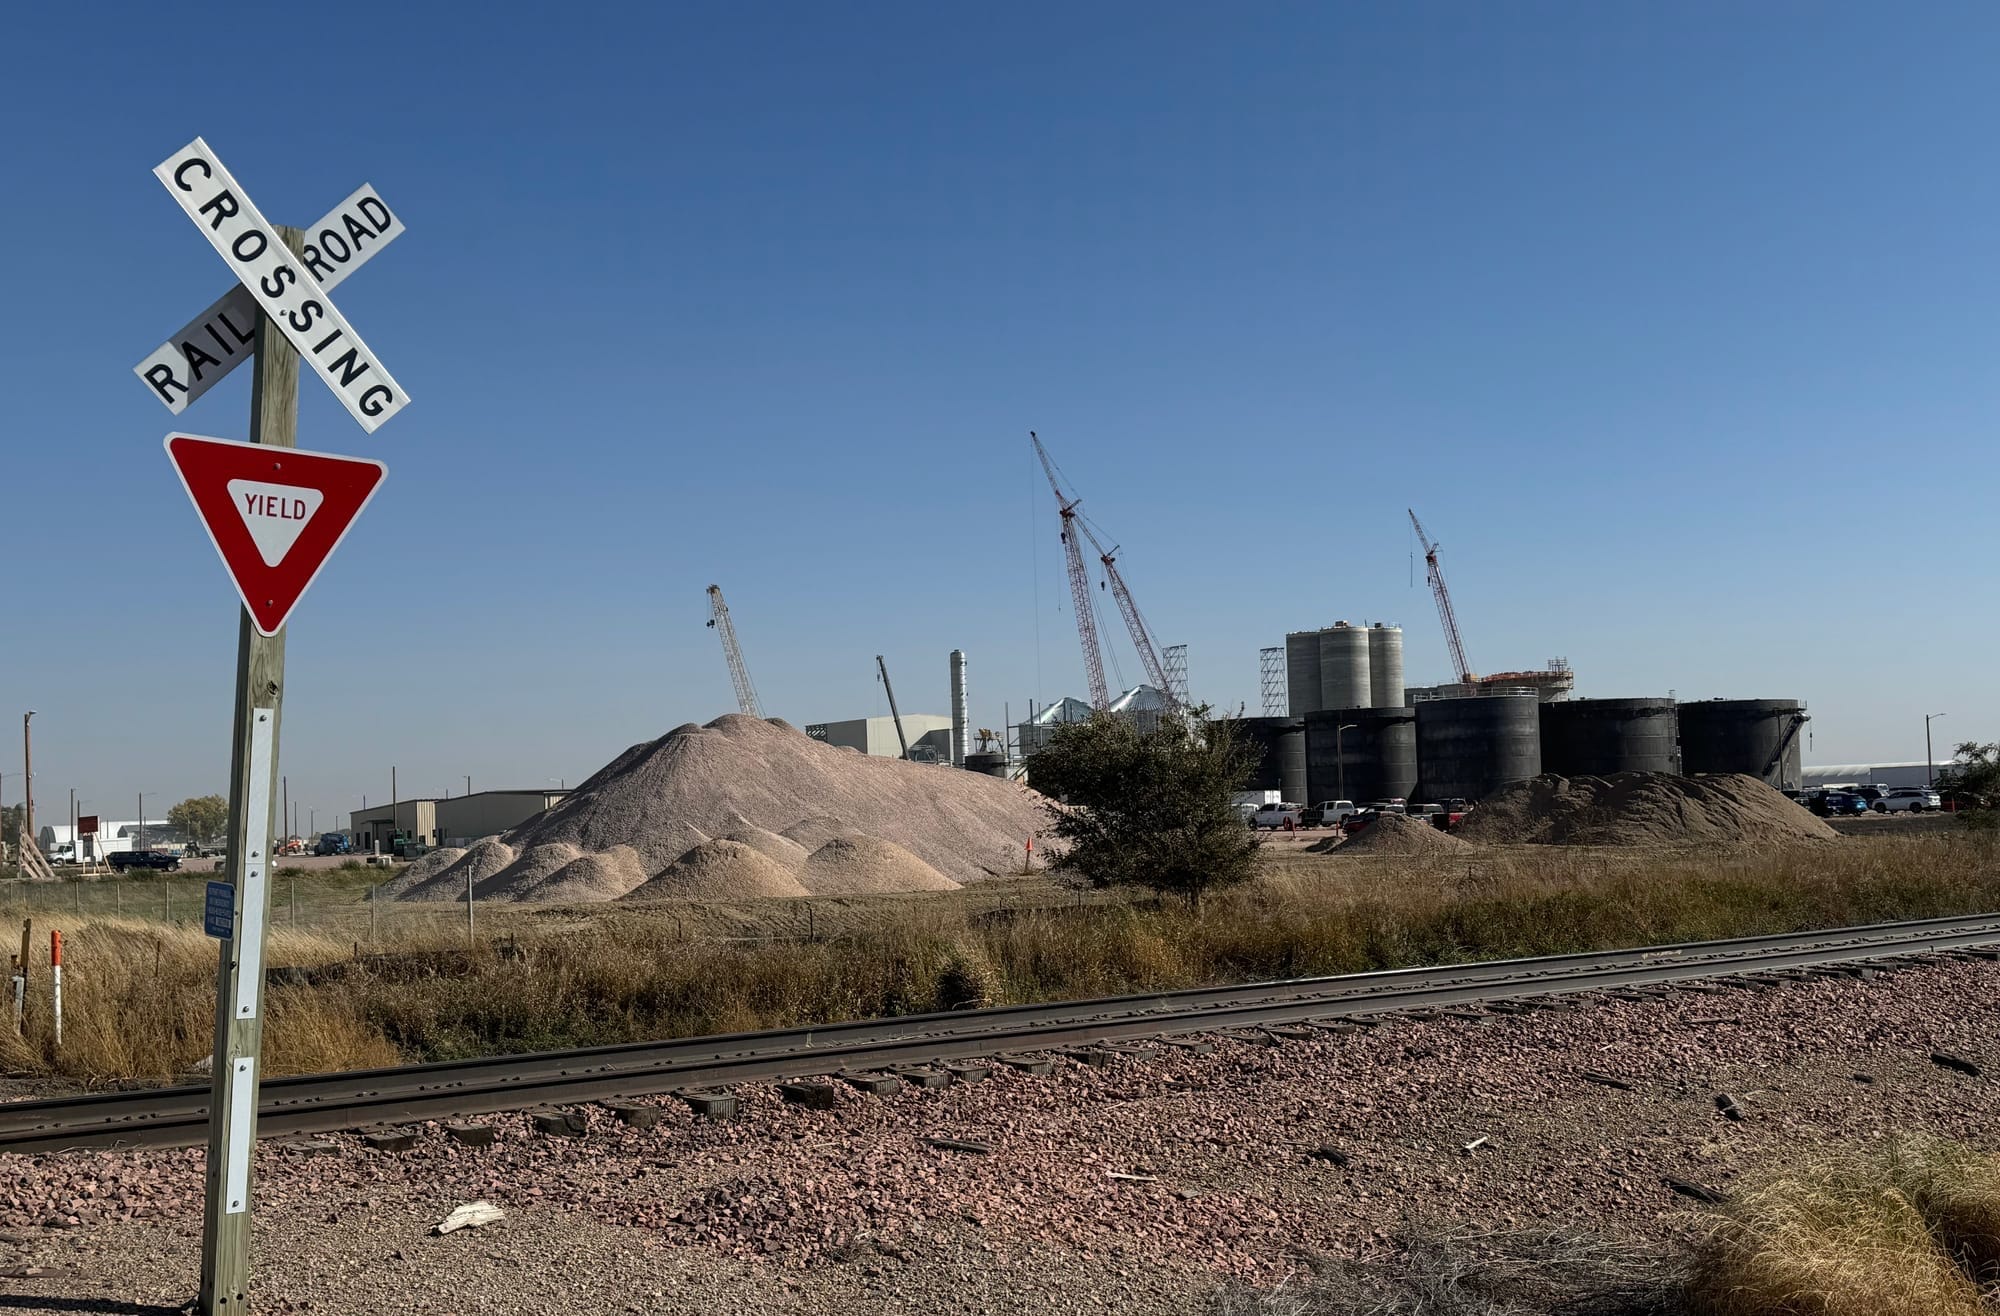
(285, 286)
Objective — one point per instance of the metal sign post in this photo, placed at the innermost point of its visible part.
(274, 522)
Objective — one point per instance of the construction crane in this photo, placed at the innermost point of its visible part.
(894, 716)
(739, 675)
(1435, 574)
(1079, 584)
(1142, 638)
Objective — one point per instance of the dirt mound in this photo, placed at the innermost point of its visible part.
(767, 786)
(720, 870)
(856, 865)
(422, 870)
(1639, 808)
(1395, 833)
(483, 860)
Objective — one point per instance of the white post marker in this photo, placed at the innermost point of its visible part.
(281, 284)
(218, 340)
(55, 980)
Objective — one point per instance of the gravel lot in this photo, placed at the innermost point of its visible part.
(1238, 1156)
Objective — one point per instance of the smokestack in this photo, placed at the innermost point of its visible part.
(959, 733)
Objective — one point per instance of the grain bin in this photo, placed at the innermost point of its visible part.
(1277, 755)
(1597, 737)
(1302, 673)
(1375, 758)
(1759, 737)
(1467, 748)
(1385, 666)
(1343, 667)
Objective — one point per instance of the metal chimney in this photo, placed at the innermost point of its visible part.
(959, 725)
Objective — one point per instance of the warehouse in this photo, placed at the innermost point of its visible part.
(929, 735)
(457, 820)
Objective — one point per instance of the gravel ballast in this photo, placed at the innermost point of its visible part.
(1139, 1186)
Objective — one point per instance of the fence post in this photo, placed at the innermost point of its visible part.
(371, 913)
(469, 942)
(20, 977)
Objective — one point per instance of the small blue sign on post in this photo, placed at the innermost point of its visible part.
(218, 916)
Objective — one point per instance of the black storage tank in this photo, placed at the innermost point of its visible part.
(1467, 748)
(1277, 756)
(1375, 758)
(991, 763)
(1597, 737)
(1759, 737)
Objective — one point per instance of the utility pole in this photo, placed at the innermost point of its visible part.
(27, 779)
(285, 801)
(239, 1018)
(1340, 760)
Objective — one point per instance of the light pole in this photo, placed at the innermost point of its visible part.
(1930, 763)
(1340, 760)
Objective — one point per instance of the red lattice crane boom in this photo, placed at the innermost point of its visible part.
(1445, 613)
(1142, 638)
(1079, 584)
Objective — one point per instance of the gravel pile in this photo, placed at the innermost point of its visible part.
(723, 869)
(1196, 1168)
(1397, 834)
(868, 866)
(1639, 808)
(762, 784)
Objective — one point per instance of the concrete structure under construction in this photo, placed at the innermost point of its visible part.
(1344, 666)
(459, 820)
(1552, 682)
(929, 735)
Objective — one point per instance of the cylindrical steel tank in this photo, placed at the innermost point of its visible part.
(1277, 757)
(1597, 737)
(1343, 667)
(991, 764)
(1361, 754)
(1302, 673)
(1385, 666)
(960, 721)
(1467, 748)
(1759, 737)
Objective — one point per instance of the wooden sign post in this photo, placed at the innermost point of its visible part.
(262, 524)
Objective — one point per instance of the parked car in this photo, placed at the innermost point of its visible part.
(1358, 821)
(1277, 815)
(1389, 806)
(165, 861)
(1327, 813)
(1870, 793)
(1837, 804)
(1909, 799)
(334, 843)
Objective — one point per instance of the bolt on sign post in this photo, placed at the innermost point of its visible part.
(274, 514)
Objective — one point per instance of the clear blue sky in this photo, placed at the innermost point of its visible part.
(1676, 323)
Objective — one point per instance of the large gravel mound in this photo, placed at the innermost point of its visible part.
(721, 870)
(869, 866)
(1395, 833)
(1639, 808)
(769, 787)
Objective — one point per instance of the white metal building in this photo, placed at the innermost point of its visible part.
(877, 735)
(1815, 776)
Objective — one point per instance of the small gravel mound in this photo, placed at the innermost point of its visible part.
(1395, 833)
(720, 870)
(782, 849)
(1640, 808)
(811, 833)
(422, 870)
(606, 875)
(856, 865)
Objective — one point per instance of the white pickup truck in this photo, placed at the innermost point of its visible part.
(1275, 816)
(1330, 813)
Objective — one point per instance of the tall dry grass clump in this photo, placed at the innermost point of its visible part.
(1909, 1227)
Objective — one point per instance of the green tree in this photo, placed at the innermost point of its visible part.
(201, 818)
(1973, 778)
(1152, 808)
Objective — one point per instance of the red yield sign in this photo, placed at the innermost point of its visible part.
(274, 514)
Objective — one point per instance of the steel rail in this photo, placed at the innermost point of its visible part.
(317, 1103)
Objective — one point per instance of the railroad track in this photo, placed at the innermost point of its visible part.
(178, 1116)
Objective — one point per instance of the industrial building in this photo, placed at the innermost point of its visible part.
(929, 735)
(455, 820)
(1891, 775)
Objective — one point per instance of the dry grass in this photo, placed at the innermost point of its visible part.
(140, 994)
(1909, 1227)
